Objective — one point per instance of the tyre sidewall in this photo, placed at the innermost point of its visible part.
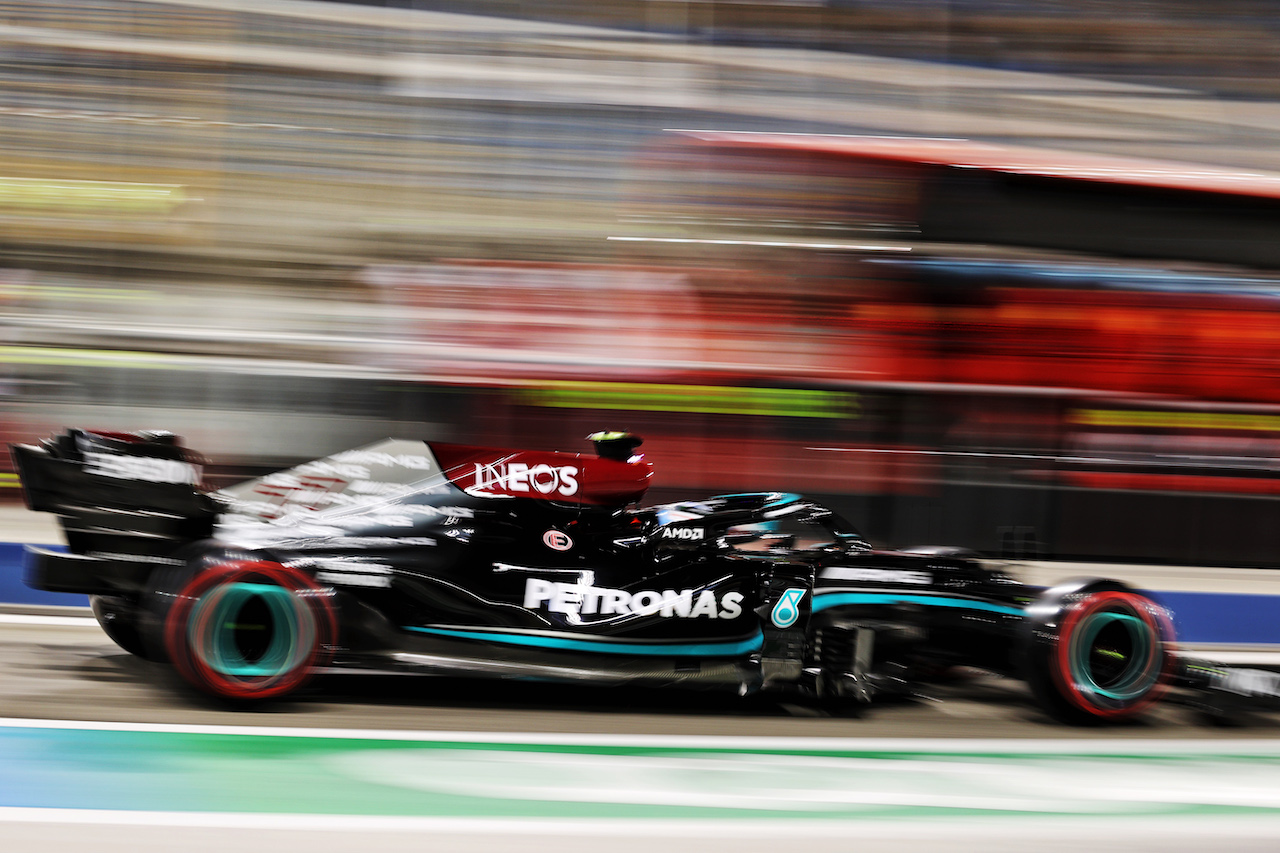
(198, 626)
(1056, 664)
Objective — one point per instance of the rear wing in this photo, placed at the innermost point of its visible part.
(130, 495)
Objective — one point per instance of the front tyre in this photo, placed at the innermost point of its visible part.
(250, 630)
(1098, 652)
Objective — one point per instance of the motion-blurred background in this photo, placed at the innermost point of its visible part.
(994, 274)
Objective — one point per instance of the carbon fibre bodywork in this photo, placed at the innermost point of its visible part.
(503, 563)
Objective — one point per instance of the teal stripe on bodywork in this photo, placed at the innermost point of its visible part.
(823, 601)
(739, 647)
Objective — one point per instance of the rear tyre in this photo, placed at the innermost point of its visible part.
(250, 631)
(1098, 652)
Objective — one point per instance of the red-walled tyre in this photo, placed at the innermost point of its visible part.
(1097, 652)
(250, 631)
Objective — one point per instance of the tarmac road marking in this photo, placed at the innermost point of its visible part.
(1092, 746)
(49, 621)
(1118, 833)
(100, 771)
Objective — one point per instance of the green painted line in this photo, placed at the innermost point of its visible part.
(474, 775)
(699, 399)
(1155, 419)
(60, 356)
(81, 196)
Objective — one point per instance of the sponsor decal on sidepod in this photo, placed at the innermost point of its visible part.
(557, 541)
(787, 610)
(517, 477)
(583, 600)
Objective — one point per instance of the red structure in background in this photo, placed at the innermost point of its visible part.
(1200, 346)
(1102, 273)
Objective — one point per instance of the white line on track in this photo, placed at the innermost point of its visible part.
(1269, 746)
(1114, 830)
(55, 621)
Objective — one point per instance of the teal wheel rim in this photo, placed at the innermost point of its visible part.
(249, 630)
(1112, 656)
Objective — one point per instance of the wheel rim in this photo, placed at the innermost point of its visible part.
(251, 630)
(1111, 654)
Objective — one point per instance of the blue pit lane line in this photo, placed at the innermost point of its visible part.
(1199, 617)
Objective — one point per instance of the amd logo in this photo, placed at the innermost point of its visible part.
(518, 477)
(685, 534)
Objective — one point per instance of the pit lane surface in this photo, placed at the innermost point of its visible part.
(71, 671)
(63, 672)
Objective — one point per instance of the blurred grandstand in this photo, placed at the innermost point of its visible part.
(286, 228)
(1152, 40)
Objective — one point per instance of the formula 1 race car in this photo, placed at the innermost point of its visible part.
(443, 558)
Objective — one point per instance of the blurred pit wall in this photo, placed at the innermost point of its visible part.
(235, 220)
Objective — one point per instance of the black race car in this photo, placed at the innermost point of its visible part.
(408, 556)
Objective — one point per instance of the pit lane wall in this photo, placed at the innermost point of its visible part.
(1212, 607)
